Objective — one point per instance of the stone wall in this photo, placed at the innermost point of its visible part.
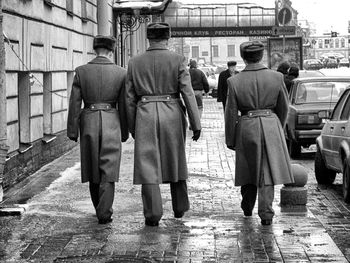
(47, 40)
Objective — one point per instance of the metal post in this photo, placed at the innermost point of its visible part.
(103, 27)
(3, 121)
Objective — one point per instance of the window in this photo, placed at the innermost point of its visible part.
(336, 43)
(215, 51)
(195, 51)
(331, 43)
(339, 106)
(231, 51)
(69, 7)
(342, 43)
(84, 17)
(205, 53)
(320, 43)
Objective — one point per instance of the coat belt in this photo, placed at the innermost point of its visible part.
(156, 98)
(100, 106)
(257, 113)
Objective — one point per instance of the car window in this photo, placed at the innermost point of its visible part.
(339, 106)
(346, 110)
(318, 92)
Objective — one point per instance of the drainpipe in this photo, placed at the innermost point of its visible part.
(103, 8)
(3, 121)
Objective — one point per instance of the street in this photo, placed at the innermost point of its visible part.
(59, 224)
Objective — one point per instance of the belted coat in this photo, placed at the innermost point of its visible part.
(261, 151)
(159, 127)
(101, 131)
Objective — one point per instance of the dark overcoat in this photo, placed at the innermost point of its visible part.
(101, 131)
(259, 141)
(222, 85)
(160, 127)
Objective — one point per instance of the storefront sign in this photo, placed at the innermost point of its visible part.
(221, 31)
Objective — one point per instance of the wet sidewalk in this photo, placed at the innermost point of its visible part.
(59, 224)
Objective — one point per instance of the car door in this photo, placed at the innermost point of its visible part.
(334, 131)
(341, 132)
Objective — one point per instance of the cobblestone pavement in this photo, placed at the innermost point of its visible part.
(59, 224)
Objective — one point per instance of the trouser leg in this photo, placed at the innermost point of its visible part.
(265, 199)
(102, 196)
(179, 197)
(152, 202)
(200, 109)
(248, 192)
(94, 189)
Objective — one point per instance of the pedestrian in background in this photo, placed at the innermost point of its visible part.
(257, 136)
(293, 73)
(157, 121)
(283, 68)
(222, 84)
(102, 124)
(199, 84)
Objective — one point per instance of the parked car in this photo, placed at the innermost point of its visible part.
(312, 64)
(311, 101)
(333, 146)
(344, 63)
(331, 63)
(218, 70)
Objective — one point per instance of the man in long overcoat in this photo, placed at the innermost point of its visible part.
(257, 136)
(222, 83)
(102, 124)
(157, 120)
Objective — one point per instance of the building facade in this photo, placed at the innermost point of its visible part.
(45, 40)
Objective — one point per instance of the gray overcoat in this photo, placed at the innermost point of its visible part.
(99, 81)
(159, 127)
(259, 141)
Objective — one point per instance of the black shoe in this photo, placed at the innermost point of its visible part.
(179, 215)
(247, 213)
(266, 222)
(151, 223)
(105, 221)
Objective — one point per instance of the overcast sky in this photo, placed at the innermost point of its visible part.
(328, 15)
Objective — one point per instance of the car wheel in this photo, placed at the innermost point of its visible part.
(322, 173)
(346, 181)
(294, 148)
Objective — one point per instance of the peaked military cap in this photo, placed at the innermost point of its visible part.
(107, 42)
(158, 30)
(252, 49)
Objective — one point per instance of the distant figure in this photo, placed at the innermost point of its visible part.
(283, 68)
(157, 121)
(199, 84)
(101, 125)
(222, 84)
(293, 73)
(257, 136)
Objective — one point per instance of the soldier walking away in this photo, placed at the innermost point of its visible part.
(222, 83)
(257, 136)
(100, 84)
(157, 121)
(199, 84)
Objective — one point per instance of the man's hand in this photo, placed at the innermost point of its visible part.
(73, 139)
(231, 147)
(196, 135)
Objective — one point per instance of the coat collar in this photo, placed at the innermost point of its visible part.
(157, 46)
(254, 67)
(101, 60)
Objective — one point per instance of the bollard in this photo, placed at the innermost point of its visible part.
(296, 193)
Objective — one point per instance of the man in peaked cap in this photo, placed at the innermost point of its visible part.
(257, 136)
(157, 121)
(101, 125)
(222, 83)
